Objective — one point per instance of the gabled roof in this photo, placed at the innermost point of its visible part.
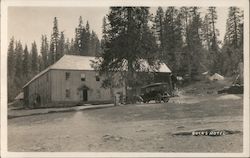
(74, 62)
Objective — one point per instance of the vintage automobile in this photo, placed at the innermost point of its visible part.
(156, 91)
(233, 89)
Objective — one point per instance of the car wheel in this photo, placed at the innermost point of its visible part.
(165, 100)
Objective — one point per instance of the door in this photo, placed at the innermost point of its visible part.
(85, 94)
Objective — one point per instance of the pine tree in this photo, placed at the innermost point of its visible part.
(210, 34)
(130, 39)
(186, 19)
(232, 49)
(87, 40)
(11, 60)
(212, 15)
(194, 43)
(61, 45)
(19, 60)
(206, 32)
(159, 26)
(18, 77)
(26, 63)
(72, 47)
(76, 44)
(233, 32)
(54, 54)
(104, 39)
(40, 63)
(94, 45)
(11, 70)
(78, 41)
(44, 52)
(178, 28)
(82, 42)
(34, 58)
(97, 46)
(172, 40)
(67, 47)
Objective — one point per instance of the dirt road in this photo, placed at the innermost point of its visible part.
(133, 128)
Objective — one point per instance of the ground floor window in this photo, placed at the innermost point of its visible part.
(97, 77)
(67, 94)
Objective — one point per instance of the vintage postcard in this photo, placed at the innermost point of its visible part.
(124, 78)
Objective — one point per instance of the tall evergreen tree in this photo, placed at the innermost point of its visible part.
(82, 42)
(232, 49)
(194, 43)
(104, 39)
(87, 40)
(206, 32)
(11, 70)
(72, 47)
(210, 34)
(61, 45)
(54, 54)
(94, 45)
(78, 41)
(172, 40)
(131, 39)
(34, 58)
(232, 35)
(11, 59)
(18, 77)
(44, 52)
(212, 17)
(159, 26)
(26, 63)
(178, 29)
(67, 47)
(40, 63)
(19, 60)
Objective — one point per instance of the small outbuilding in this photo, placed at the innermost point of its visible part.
(216, 77)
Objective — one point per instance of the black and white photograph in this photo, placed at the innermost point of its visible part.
(166, 78)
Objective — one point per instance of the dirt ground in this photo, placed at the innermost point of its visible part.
(135, 128)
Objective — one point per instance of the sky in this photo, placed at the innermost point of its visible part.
(27, 24)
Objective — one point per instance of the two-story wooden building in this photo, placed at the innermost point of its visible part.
(70, 80)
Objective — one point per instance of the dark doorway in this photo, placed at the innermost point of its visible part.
(85, 94)
(36, 103)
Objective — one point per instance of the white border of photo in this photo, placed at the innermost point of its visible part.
(101, 3)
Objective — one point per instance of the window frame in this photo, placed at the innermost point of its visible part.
(67, 75)
(97, 77)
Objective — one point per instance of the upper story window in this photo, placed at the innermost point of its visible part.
(83, 77)
(67, 75)
(97, 77)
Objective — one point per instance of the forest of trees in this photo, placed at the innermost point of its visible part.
(189, 44)
(179, 36)
(25, 63)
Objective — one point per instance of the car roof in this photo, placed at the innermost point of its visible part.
(155, 84)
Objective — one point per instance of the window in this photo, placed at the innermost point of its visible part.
(67, 75)
(97, 77)
(98, 94)
(83, 77)
(67, 94)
